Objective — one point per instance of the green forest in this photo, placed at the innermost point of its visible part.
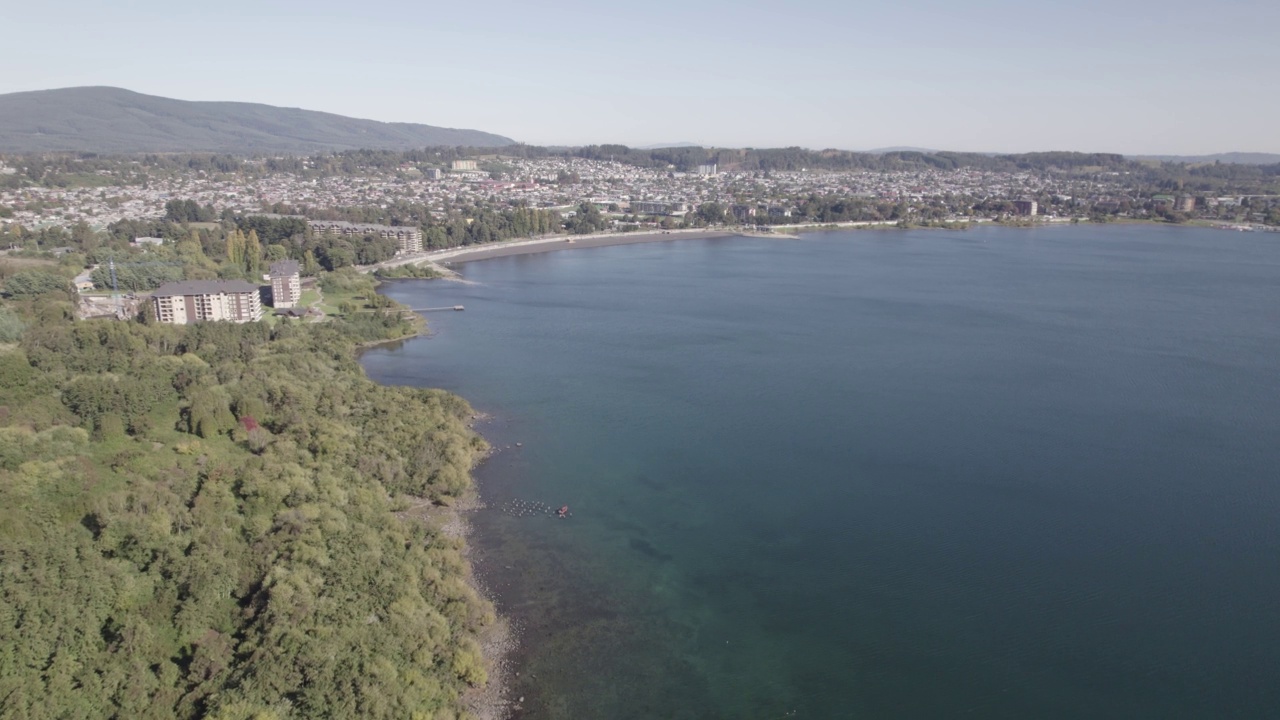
(210, 522)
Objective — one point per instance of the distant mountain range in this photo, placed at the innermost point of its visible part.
(113, 120)
(1239, 158)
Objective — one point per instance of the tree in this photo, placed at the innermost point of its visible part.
(11, 326)
(252, 254)
(32, 283)
(712, 213)
(587, 219)
(339, 256)
(236, 248)
(309, 265)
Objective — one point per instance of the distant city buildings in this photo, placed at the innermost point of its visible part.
(1026, 207)
(651, 207)
(286, 284)
(192, 301)
(464, 165)
(560, 184)
(148, 241)
(709, 170)
(408, 238)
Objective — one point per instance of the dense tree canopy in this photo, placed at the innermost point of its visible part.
(203, 522)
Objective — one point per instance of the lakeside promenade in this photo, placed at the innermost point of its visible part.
(547, 243)
(441, 259)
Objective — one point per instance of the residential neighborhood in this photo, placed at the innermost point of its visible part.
(563, 183)
(271, 221)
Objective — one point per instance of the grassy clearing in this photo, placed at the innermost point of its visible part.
(346, 291)
(26, 263)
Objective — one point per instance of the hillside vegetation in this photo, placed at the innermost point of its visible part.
(113, 120)
(202, 522)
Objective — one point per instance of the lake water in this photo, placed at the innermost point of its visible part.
(1001, 473)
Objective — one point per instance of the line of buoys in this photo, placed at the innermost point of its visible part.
(531, 508)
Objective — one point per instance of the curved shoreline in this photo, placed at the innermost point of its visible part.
(550, 243)
(529, 247)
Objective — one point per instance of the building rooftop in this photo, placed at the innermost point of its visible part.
(284, 268)
(203, 287)
(357, 226)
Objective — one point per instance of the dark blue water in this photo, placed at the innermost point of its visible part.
(1000, 473)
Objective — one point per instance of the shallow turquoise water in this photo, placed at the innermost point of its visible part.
(998, 473)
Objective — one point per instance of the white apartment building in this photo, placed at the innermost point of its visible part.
(408, 239)
(286, 284)
(190, 301)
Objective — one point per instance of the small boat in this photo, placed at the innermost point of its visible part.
(563, 511)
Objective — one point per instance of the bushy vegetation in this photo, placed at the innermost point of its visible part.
(199, 523)
(399, 272)
(32, 283)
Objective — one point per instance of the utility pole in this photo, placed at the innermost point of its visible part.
(115, 287)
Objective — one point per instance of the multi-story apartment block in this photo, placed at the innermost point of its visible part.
(1026, 207)
(190, 301)
(409, 239)
(650, 207)
(286, 284)
(464, 165)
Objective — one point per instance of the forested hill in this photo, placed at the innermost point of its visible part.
(1237, 158)
(210, 521)
(789, 159)
(796, 158)
(113, 120)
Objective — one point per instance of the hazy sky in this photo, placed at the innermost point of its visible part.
(1132, 76)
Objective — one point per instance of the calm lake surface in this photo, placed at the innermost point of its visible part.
(1002, 473)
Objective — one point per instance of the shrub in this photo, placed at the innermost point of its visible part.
(33, 283)
(11, 326)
